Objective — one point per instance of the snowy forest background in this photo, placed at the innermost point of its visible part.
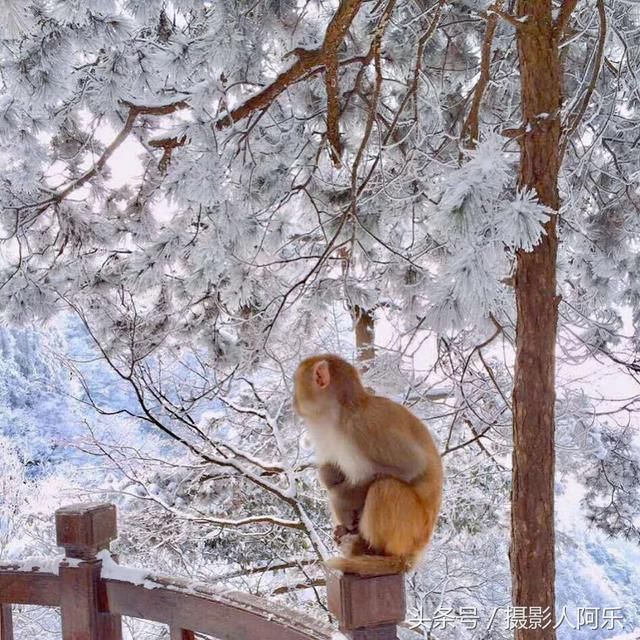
(191, 203)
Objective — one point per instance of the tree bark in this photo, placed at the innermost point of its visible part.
(532, 551)
(365, 334)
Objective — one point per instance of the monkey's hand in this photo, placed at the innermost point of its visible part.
(342, 533)
(339, 532)
(342, 530)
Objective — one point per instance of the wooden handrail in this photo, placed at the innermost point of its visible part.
(29, 587)
(229, 617)
(93, 592)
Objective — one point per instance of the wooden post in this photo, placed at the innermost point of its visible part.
(6, 622)
(84, 530)
(367, 607)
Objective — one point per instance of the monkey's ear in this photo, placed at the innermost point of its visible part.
(320, 374)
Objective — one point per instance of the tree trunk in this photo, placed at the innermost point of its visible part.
(364, 322)
(532, 551)
(365, 334)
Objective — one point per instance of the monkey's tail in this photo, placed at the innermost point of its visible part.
(366, 565)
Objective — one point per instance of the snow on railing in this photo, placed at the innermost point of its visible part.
(93, 592)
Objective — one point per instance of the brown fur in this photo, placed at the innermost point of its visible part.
(403, 466)
(346, 499)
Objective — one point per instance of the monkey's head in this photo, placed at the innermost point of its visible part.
(323, 383)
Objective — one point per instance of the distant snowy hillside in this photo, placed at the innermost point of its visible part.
(593, 571)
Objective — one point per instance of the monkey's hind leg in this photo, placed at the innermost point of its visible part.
(394, 520)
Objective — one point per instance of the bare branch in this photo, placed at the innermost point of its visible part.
(512, 20)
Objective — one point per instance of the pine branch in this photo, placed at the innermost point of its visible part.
(134, 112)
(168, 145)
(333, 110)
(326, 56)
(411, 93)
(308, 61)
(471, 127)
(562, 21)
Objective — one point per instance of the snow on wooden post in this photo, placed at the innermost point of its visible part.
(367, 607)
(84, 530)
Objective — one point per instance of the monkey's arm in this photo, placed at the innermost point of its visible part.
(346, 500)
(330, 475)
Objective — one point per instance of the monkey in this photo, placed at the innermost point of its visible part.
(380, 444)
(346, 500)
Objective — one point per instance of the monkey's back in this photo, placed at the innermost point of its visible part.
(396, 417)
(391, 435)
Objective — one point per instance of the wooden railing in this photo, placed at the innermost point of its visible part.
(93, 592)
